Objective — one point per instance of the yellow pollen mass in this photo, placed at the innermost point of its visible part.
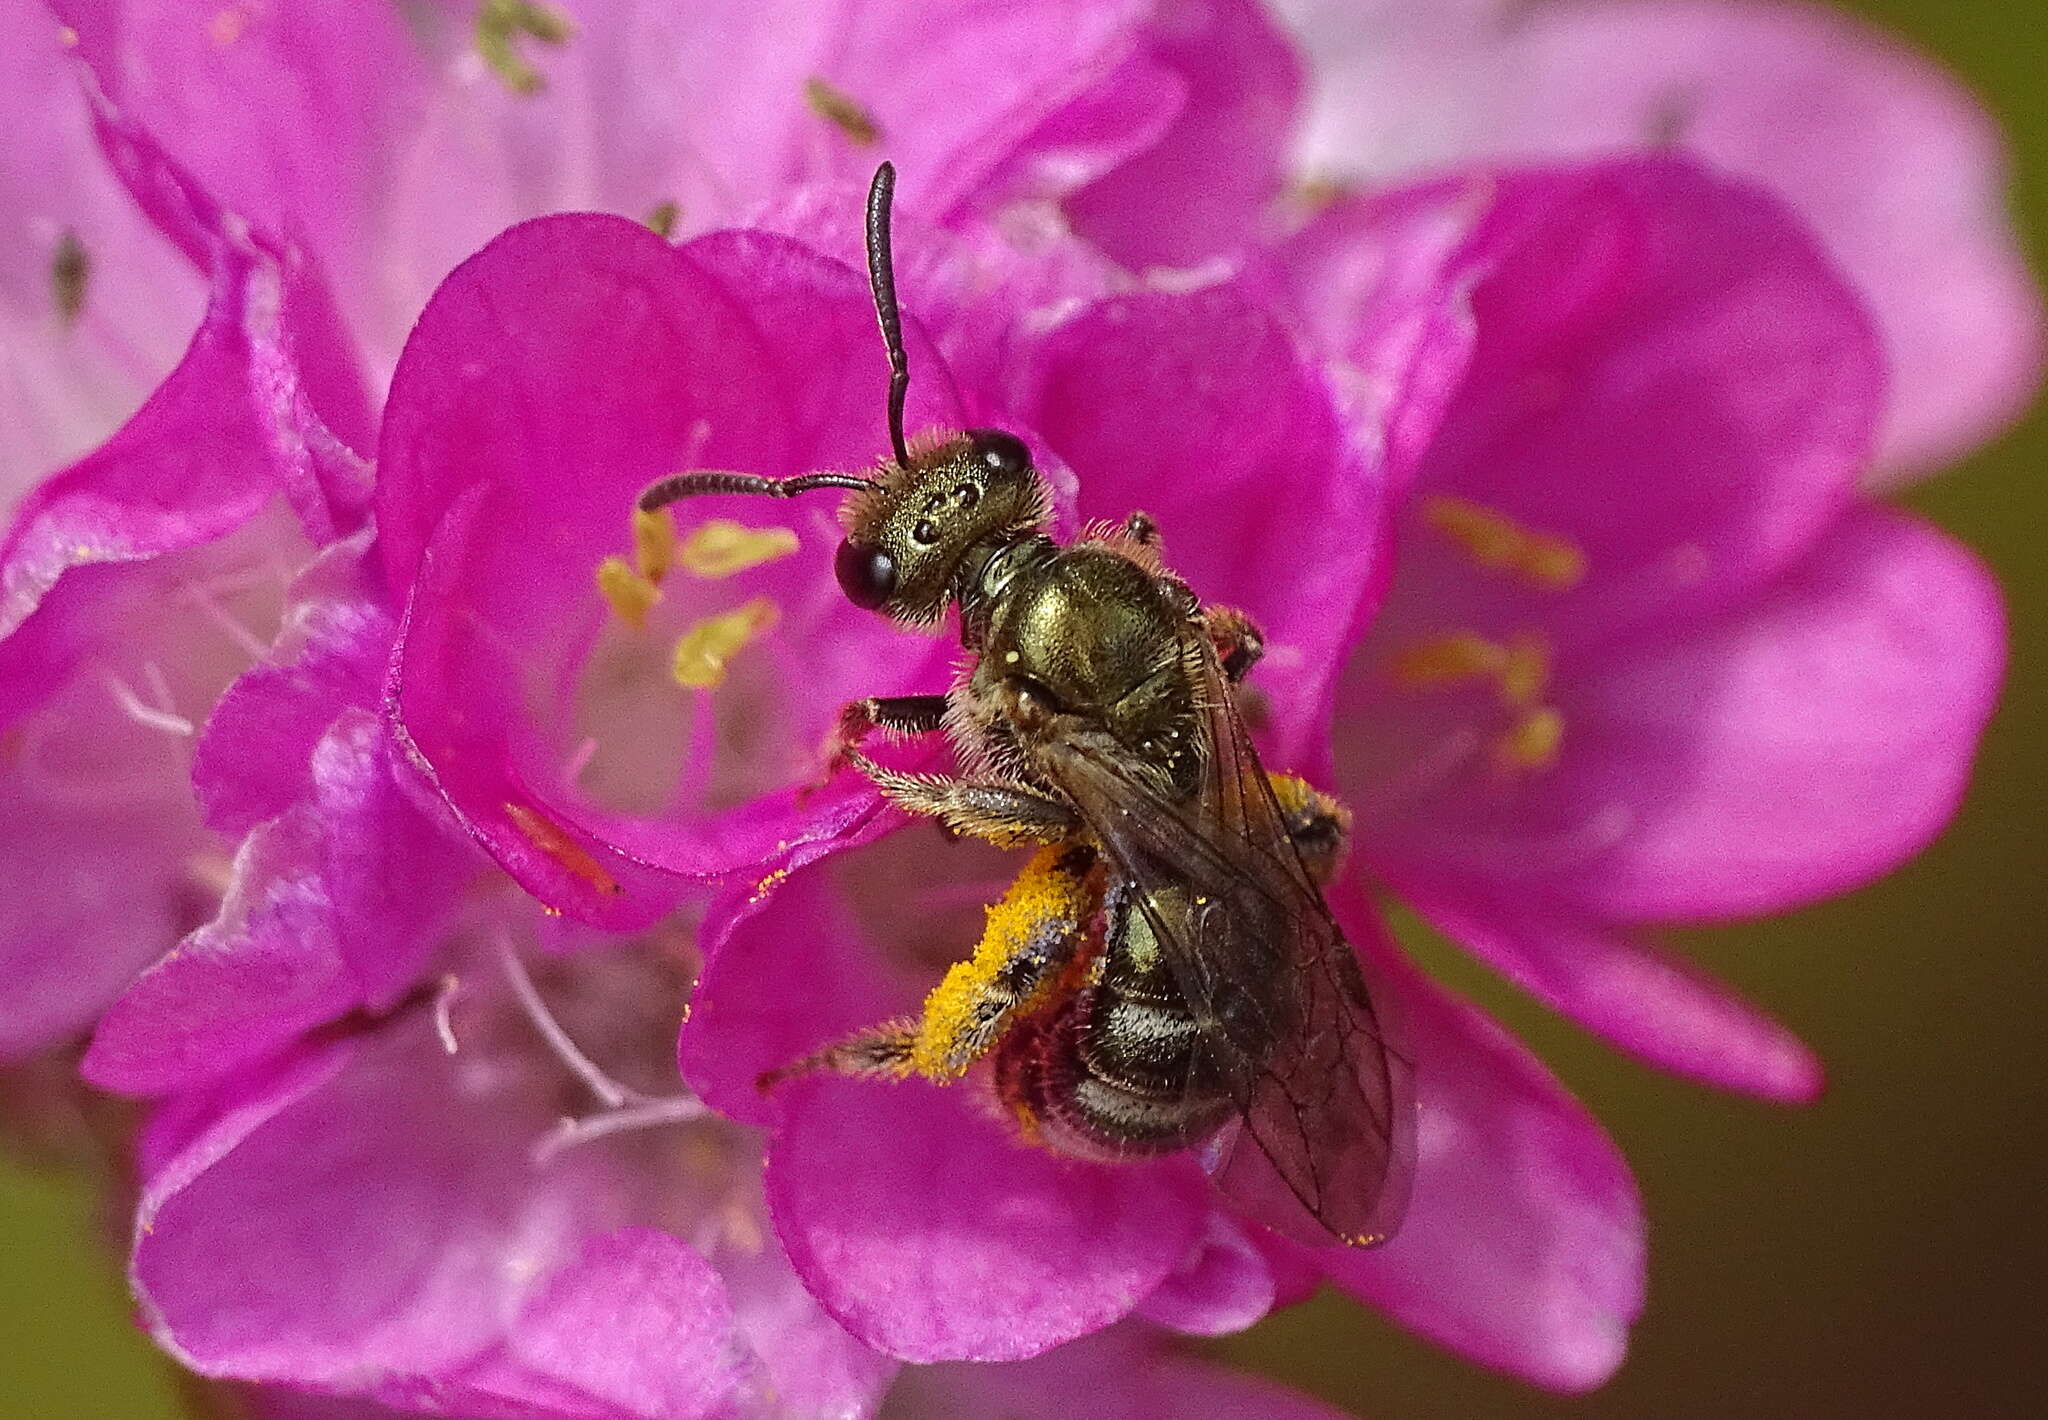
(1532, 741)
(842, 111)
(1500, 544)
(631, 595)
(1045, 899)
(705, 649)
(499, 26)
(721, 547)
(554, 840)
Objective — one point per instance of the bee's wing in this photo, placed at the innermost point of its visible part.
(1272, 983)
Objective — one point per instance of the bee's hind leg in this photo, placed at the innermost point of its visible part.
(1033, 936)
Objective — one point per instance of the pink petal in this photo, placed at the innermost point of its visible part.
(1223, 1285)
(1768, 757)
(70, 382)
(1125, 1374)
(558, 372)
(1221, 163)
(1197, 409)
(343, 1222)
(1649, 1002)
(336, 904)
(389, 145)
(1897, 167)
(929, 1231)
(1523, 1243)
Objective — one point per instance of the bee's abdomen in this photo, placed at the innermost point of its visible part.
(1113, 1073)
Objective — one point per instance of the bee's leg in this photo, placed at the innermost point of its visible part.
(878, 1053)
(1238, 641)
(1317, 825)
(1142, 530)
(1032, 936)
(1007, 815)
(904, 716)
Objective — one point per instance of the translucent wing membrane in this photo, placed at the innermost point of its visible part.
(1266, 971)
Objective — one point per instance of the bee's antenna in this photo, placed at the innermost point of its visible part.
(676, 486)
(882, 277)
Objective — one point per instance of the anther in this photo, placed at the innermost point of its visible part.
(704, 651)
(499, 26)
(842, 111)
(631, 595)
(1500, 544)
(722, 547)
(70, 271)
(552, 839)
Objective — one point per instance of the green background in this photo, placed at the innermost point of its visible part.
(1882, 1253)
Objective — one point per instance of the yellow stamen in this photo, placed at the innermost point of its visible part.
(721, 547)
(1045, 898)
(1532, 741)
(701, 656)
(1525, 670)
(1447, 660)
(842, 111)
(661, 219)
(654, 543)
(70, 270)
(499, 25)
(554, 840)
(1500, 544)
(632, 596)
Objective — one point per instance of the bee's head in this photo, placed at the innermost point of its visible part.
(906, 537)
(911, 525)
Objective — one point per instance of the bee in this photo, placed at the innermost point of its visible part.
(1164, 975)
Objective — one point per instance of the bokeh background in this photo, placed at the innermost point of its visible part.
(1883, 1253)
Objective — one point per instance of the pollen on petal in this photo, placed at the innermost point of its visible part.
(552, 839)
(1500, 544)
(1532, 741)
(722, 547)
(631, 595)
(842, 111)
(706, 648)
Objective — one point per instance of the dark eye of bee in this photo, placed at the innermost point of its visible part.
(1001, 453)
(866, 574)
(926, 532)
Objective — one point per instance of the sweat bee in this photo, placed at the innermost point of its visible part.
(1165, 974)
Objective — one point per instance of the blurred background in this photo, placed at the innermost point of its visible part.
(1882, 1253)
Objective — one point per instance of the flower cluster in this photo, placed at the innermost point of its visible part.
(442, 854)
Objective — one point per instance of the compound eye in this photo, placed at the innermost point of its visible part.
(1001, 453)
(866, 574)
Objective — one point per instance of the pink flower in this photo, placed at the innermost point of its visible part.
(1897, 168)
(1593, 435)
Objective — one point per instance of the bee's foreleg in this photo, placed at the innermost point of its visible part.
(1238, 641)
(1007, 815)
(904, 716)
